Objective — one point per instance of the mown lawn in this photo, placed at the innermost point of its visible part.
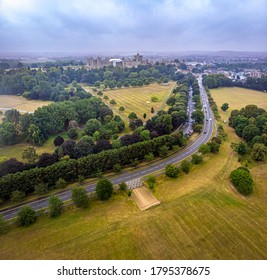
(138, 99)
(238, 98)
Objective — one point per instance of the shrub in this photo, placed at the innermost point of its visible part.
(17, 196)
(186, 166)
(55, 206)
(242, 181)
(58, 141)
(197, 159)
(123, 186)
(41, 188)
(81, 179)
(163, 151)
(154, 99)
(171, 171)
(72, 133)
(80, 198)
(60, 183)
(129, 192)
(26, 216)
(117, 168)
(149, 157)
(104, 189)
(151, 182)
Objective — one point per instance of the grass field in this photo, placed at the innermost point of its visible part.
(238, 98)
(138, 99)
(20, 103)
(200, 217)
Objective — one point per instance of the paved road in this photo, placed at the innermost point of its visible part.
(143, 171)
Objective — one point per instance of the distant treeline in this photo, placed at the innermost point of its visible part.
(220, 80)
(51, 83)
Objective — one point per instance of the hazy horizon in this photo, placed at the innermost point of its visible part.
(164, 26)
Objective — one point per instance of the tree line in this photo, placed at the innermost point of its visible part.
(89, 166)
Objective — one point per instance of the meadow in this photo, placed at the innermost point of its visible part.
(238, 98)
(138, 99)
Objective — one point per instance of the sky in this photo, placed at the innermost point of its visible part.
(132, 25)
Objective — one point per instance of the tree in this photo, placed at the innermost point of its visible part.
(144, 115)
(58, 141)
(214, 147)
(104, 189)
(186, 166)
(60, 184)
(8, 133)
(122, 109)
(26, 216)
(225, 107)
(259, 152)
(151, 182)
(152, 110)
(113, 102)
(132, 116)
(3, 225)
(250, 131)
(46, 159)
(17, 196)
(69, 148)
(123, 186)
(11, 166)
(171, 171)
(55, 206)
(149, 157)
(30, 155)
(102, 145)
(35, 136)
(72, 133)
(242, 148)
(80, 198)
(92, 126)
(242, 181)
(198, 116)
(197, 159)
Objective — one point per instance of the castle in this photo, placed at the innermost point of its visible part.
(95, 63)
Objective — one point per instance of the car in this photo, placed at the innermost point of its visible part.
(205, 132)
(210, 119)
(206, 120)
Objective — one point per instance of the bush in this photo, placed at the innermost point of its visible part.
(186, 166)
(81, 179)
(41, 188)
(149, 157)
(197, 159)
(171, 171)
(151, 182)
(242, 181)
(129, 192)
(72, 133)
(123, 186)
(58, 141)
(26, 216)
(163, 151)
(60, 183)
(3, 225)
(17, 196)
(55, 206)
(104, 189)
(117, 168)
(80, 198)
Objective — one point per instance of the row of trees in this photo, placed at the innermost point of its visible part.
(50, 83)
(89, 166)
(219, 80)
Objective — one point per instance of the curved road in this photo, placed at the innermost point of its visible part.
(130, 175)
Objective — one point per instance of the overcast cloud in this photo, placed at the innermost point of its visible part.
(130, 25)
